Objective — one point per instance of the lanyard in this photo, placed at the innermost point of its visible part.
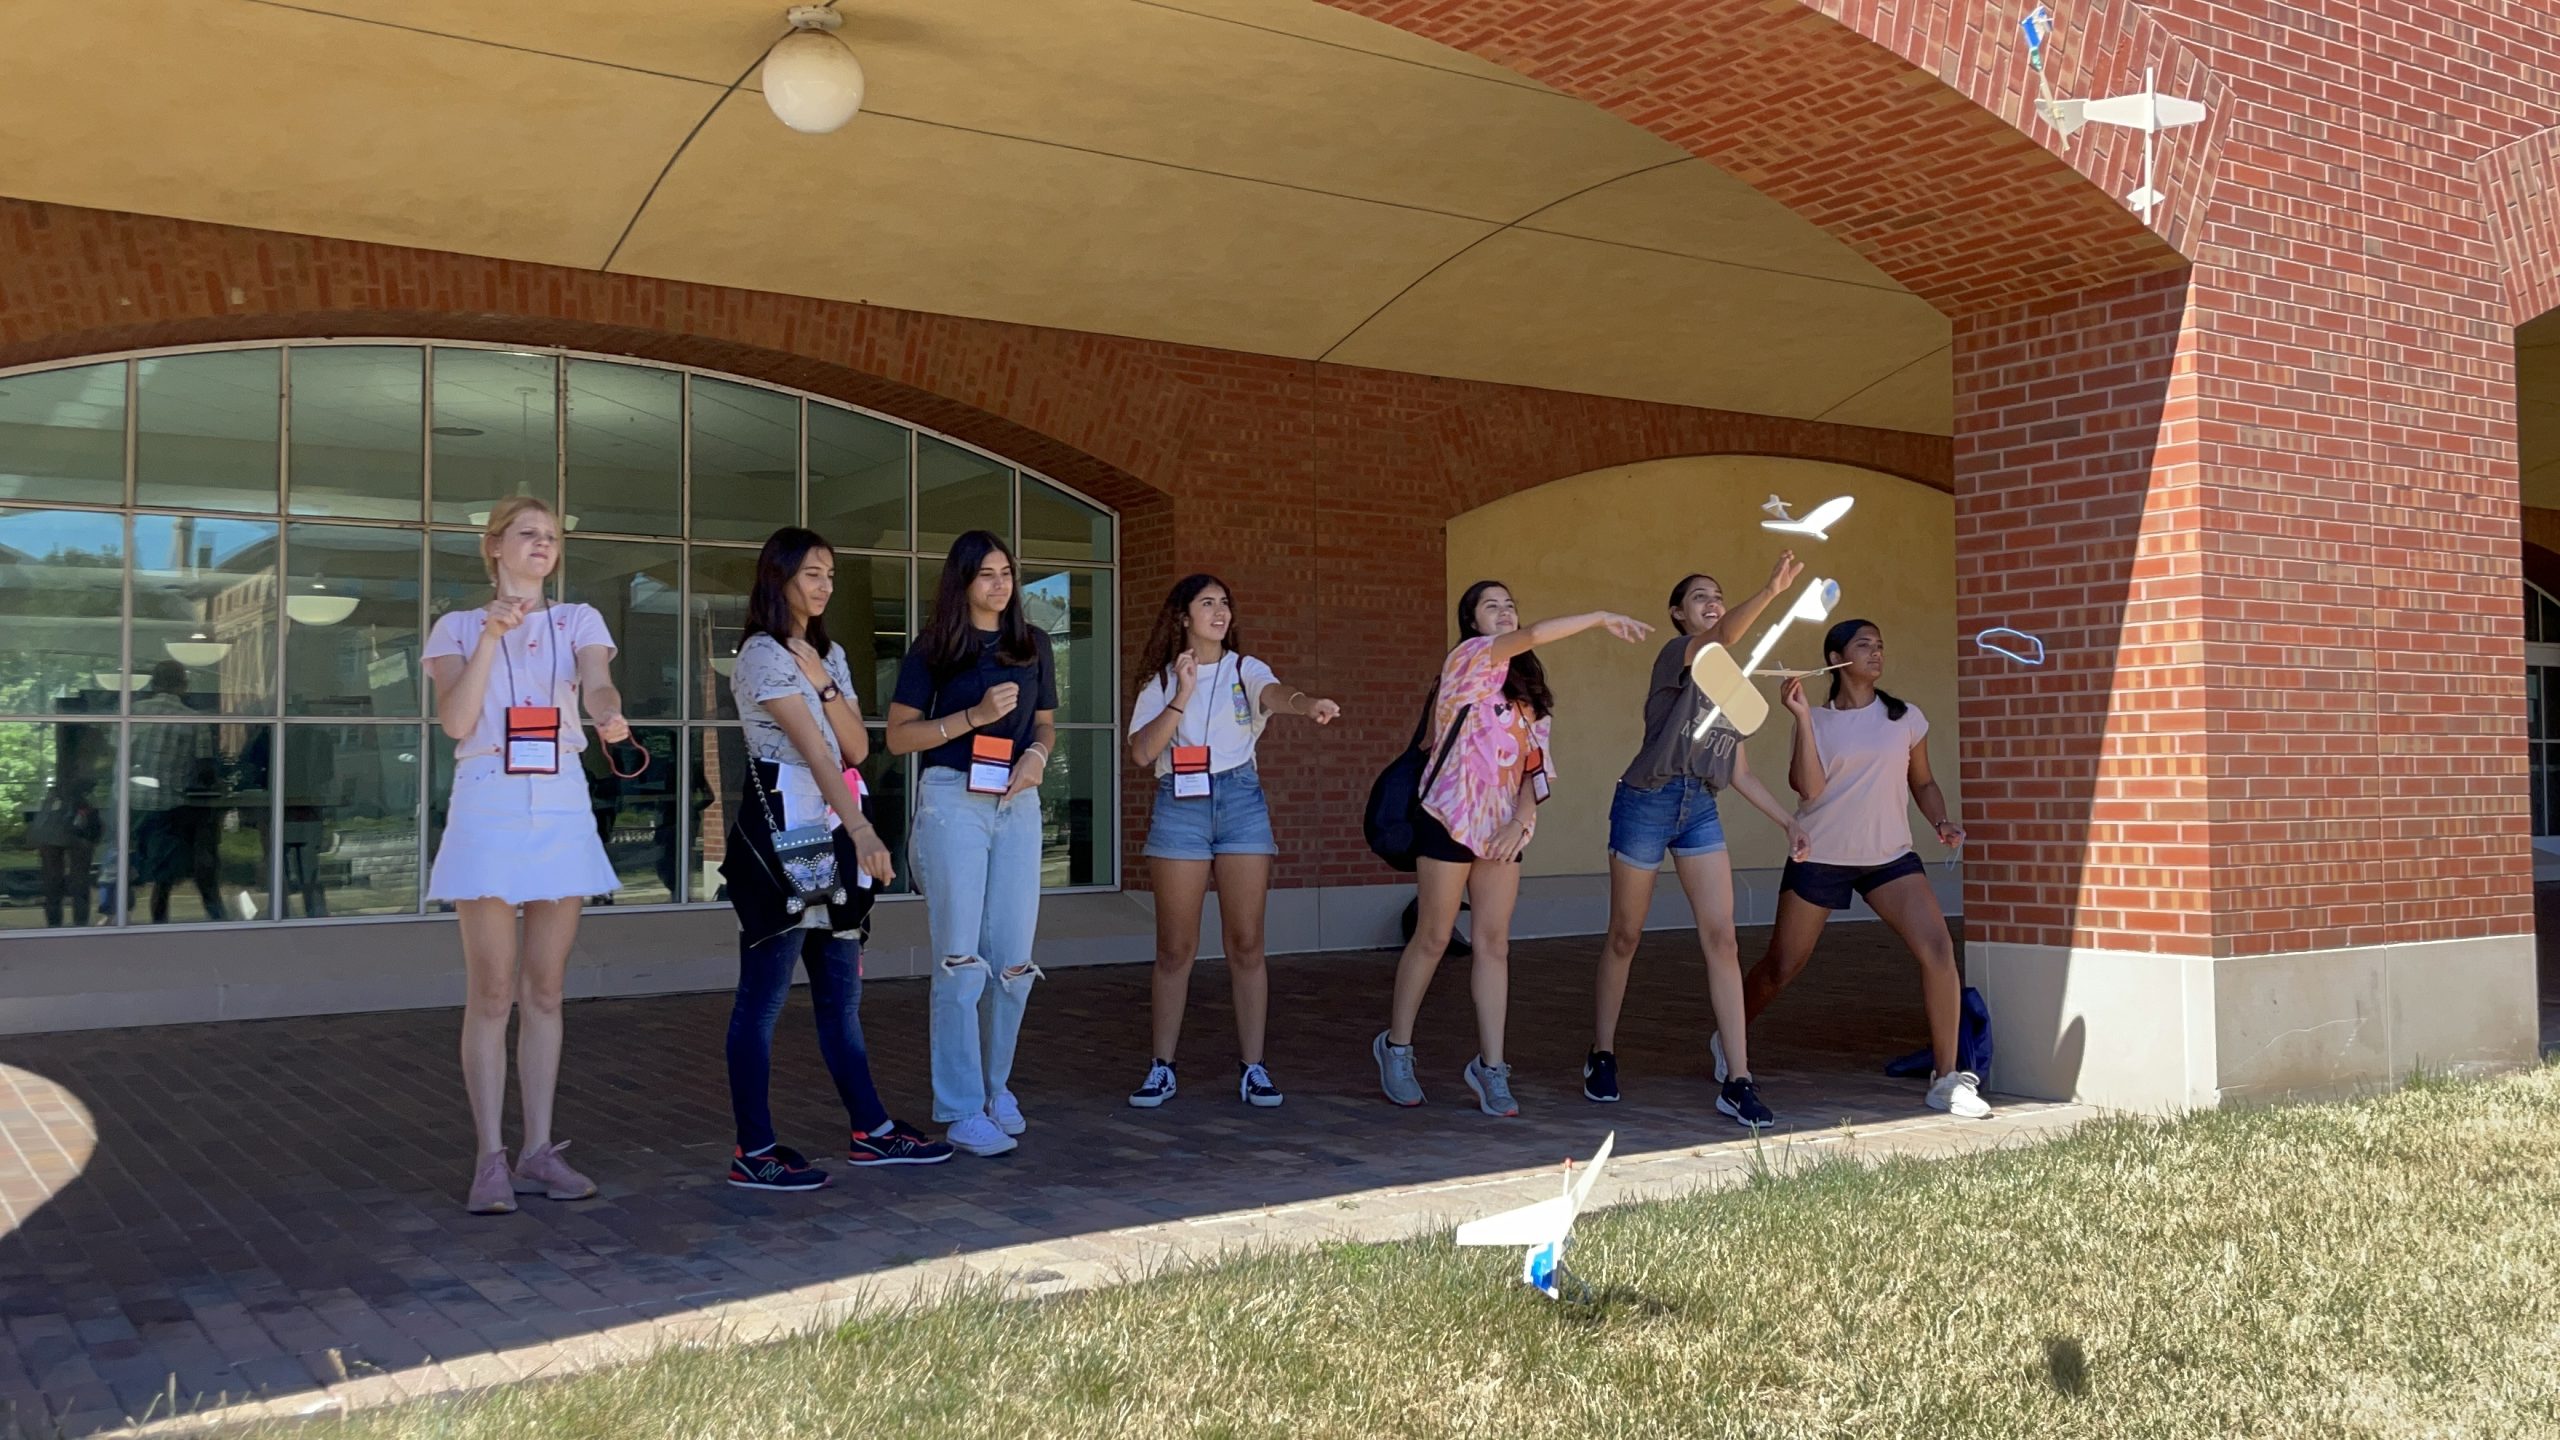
(508, 655)
(1213, 688)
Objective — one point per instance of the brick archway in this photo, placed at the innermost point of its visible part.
(2250, 476)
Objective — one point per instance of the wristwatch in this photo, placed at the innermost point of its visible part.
(830, 695)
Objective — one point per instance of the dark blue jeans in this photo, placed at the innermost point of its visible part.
(835, 989)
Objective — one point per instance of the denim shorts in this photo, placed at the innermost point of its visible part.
(1679, 818)
(1232, 819)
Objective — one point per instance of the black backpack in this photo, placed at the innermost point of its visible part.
(1395, 797)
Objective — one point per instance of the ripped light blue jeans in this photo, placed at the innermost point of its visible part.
(979, 867)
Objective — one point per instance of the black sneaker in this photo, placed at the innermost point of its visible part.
(1158, 1089)
(1739, 1100)
(897, 1144)
(1600, 1077)
(780, 1168)
(1254, 1087)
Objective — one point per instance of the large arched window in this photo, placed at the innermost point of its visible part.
(2542, 705)
(217, 567)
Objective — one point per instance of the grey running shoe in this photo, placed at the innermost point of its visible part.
(1492, 1084)
(1395, 1071)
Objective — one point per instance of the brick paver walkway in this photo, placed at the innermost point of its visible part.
(269, 1211)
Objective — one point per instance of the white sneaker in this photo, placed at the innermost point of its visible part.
(1959, 1094)
(979, 1136)
(1715, 1047)
(1007, 1113)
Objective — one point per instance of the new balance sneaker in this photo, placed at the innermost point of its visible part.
(1254, 1086)
(776, 1167)
(1739, 1100)
(1959, 1093)
(1492, 1084)
(1007, 1113)
(1715, 1049)
(896, 1144)
(1158, 1089)
(1395, 1071)
(978, 1135)
(1600, 1077)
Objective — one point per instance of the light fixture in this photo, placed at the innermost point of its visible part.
(724, 665)
(316, 606)
(811, 80)
(110, 680)
(196, 650)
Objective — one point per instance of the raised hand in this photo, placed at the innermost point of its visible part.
(1324, 712)
(1186, 677)
(1624, 628)
(505, 614)
(1784, 573)
(1791, 695)
(812, 664)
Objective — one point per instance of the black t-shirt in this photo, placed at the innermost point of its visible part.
(936, 696)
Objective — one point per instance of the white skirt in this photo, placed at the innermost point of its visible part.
(520, 838)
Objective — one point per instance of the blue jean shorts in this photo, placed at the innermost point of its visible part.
(1679, 818)
(1232, 819)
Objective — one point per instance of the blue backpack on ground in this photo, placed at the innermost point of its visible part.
(1973, 1044)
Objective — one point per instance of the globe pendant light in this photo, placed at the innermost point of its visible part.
(811, 80)
(316, 606)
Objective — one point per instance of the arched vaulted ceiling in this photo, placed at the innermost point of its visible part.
(1272, 176)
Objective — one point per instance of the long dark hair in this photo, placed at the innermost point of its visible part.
(1835, 643)
(768, 608)
(1527, 682)
(949, 641)
(1680, 592)
(1170, 635)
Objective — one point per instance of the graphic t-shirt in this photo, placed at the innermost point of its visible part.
(1864, 815)
(1225, 713)
(1673, 705)
(766, 671)
(1478, 791)
(537, 665)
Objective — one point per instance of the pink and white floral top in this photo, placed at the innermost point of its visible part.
(1476, 793)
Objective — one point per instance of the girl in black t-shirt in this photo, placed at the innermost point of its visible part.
(978, 696)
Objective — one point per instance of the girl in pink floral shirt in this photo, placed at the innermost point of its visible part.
(1478, 812)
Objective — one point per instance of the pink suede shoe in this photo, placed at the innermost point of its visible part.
(491, 1192)
(543, 1172)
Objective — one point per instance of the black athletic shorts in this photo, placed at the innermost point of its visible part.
(1829, 885)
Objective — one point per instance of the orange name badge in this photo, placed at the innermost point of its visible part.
(1190, 771)
(990, 764)
(533, 740)
(1535, 766)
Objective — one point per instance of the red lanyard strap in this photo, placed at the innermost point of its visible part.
(618, 772)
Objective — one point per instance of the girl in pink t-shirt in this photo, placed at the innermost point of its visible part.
(1479, 810)
(1861, 759)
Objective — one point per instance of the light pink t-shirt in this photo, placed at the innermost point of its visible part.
(1864, 815)
(540, 660)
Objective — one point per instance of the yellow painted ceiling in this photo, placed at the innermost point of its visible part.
(1272, 176)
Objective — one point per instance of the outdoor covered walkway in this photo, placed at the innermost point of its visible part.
(271, 1210)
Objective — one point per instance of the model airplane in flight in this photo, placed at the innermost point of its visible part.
(1818, 524)
(1543, 1229)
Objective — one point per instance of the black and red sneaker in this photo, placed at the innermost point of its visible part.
(896, 1144)
(780, 1168)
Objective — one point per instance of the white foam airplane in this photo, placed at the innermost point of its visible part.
(1545, 1228)
(1818, 524)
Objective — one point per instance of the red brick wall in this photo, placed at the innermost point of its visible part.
(2274, 497)
(1318, 491)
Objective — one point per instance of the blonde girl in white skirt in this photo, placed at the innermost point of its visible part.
(519, 832)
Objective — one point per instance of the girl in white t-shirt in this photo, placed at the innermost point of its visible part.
(1196, 722)
(520, 831)
(1860, 760)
